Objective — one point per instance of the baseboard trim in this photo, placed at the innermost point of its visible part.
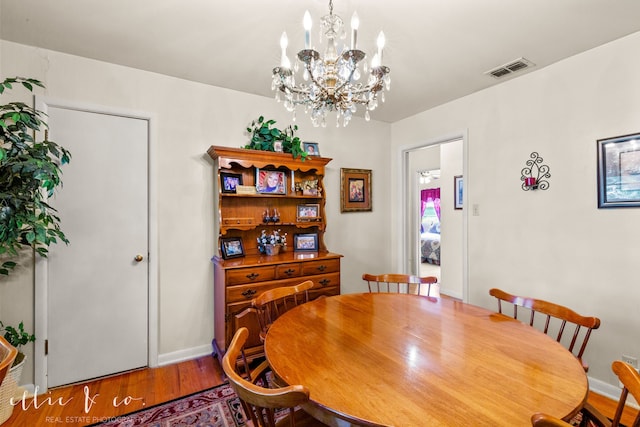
(185, 354)
(449, 293)
(610, 391)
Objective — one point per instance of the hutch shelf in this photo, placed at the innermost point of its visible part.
(238, 280)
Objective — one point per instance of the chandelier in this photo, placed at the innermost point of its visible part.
(333, 82)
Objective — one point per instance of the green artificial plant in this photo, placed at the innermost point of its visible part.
(29, 174)
(17, 337)
(264, 137)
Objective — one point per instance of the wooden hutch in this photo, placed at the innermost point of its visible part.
(238, 280)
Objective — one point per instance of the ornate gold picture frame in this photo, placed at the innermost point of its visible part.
(355, 190)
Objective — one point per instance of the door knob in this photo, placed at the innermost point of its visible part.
(138, 258)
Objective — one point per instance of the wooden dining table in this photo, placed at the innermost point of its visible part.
(379, 359)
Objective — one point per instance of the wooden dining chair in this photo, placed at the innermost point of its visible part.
(8, 354)
(259, 402)
(273, 303)
(630, 379)
(402, 283)
(553, 313)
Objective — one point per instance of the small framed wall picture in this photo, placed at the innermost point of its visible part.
(231, 247)
(271, 181)
(305, 242)
(309, 212)
(355, 190)
(229, 181)
(458, 191)
(311, 148)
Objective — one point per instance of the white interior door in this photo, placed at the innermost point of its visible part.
(97, 291)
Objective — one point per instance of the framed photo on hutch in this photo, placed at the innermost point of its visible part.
(355, 190)
(311, 148)
(231, 247)
(229, 181)
(309, 212)
(271, 181)
(305, 242)
(619, 171)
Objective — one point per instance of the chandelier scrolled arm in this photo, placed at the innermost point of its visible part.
(333, 82)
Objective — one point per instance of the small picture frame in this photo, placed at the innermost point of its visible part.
(309, 212)
(305, 242)
(271, 181)
(311, 148)
(355, 190)
(277, 146)
(229, 181)
(231, 247)
(619, 171)
(458, 191)
(309, 187)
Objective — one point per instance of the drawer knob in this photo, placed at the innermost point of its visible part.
(325, 282)
(253, 276)
(249, 293)
(322, 267)
(289, 271)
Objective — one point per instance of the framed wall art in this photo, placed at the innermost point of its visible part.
(619, 171)
(305, 242)
(271, 181)
(231, 247)
(355, 190)
(229, 181)
(458, 191)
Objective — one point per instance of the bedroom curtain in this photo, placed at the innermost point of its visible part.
(433, 194)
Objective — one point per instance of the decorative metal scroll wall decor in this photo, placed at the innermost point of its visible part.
(535, 174)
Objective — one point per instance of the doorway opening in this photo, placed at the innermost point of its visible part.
(434, 232)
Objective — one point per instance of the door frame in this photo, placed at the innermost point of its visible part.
(41, 280)
(407, 209)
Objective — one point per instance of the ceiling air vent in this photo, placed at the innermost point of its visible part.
(511, 67)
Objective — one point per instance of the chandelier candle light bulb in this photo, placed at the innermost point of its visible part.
(284, 41)
(381, 41)
(307, 23)
(355, 23)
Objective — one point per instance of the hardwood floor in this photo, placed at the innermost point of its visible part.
(95, 401)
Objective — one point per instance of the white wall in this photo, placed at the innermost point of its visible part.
(190, 117)
(554, 244)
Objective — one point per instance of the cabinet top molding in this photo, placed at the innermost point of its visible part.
(260, 159)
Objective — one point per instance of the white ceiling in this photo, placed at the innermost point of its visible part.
(438, 50)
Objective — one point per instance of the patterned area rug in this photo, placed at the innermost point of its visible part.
(216, 407)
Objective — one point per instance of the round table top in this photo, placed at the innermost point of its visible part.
(408, 360)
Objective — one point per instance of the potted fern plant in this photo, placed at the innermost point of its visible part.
(27, 167)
